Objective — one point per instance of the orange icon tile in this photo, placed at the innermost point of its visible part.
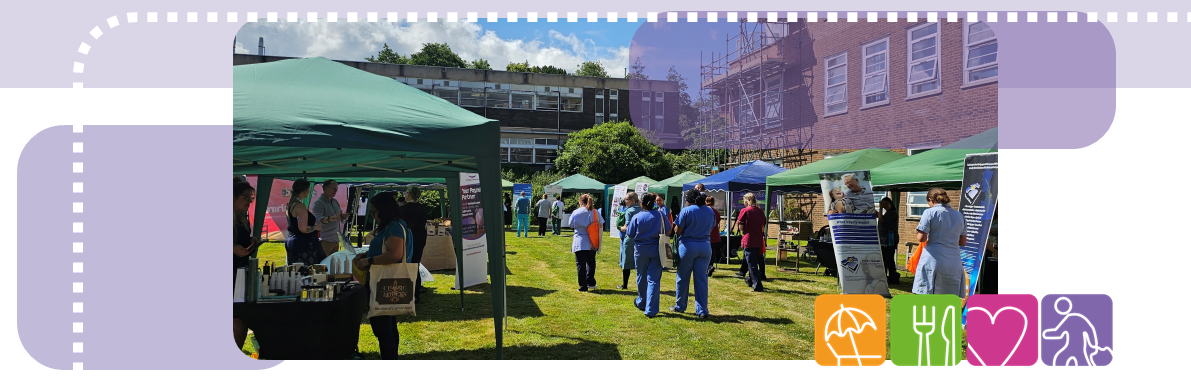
(850, 330)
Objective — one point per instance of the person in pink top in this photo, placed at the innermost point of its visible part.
(751, 222)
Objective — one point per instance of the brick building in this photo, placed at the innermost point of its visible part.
(536, 111)
(793, 92)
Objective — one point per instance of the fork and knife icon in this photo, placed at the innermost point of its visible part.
(925, 326)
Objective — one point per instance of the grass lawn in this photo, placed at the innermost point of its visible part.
(549, 319)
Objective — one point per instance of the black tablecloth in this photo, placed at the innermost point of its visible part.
(306, 330)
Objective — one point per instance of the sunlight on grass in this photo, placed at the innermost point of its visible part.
(549, 319)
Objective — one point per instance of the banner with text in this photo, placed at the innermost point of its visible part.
(274, 227)
(738, 199)
(618, 193)
(554, 191)
(854, 232)
(978, 203)
(475, 245)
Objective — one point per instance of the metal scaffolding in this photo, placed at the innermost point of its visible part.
(742, 98)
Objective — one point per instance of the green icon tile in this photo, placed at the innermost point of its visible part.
(925, 330)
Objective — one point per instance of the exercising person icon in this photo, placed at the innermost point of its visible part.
(1081, 347)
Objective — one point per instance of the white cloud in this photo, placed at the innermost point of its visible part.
(240, 48)
(355, 41)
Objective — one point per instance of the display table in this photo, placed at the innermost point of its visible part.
(306, 330)
(439, 253)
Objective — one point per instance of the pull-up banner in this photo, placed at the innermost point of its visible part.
(618, 194)
(977, 203)
(853, 222)
(475, 245)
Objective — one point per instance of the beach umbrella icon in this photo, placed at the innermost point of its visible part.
(844, 324)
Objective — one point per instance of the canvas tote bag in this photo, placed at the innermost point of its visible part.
(393, 286)
(666, 251)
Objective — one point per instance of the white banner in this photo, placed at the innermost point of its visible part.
(475, 245)
(618, 193)
(553, 191)
(849, 199)
(641, 188)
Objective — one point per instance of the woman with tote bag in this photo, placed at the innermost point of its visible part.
(385, 263)
(585, 242)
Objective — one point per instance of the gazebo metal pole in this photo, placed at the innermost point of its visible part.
(457, 233)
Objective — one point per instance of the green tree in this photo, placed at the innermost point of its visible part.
(637, 71)
(438, 55)
(479, 64)
(612, 153)
(518, 67)
(548, 70)
(592, 69)
(386, 55)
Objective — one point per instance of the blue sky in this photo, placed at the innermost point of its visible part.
(561, 44)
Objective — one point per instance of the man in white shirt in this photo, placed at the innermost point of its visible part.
(329, 217)
(543, 214)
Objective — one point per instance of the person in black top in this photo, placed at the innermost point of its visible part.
(302, 244)
(887, 231)
(414, 214)
(243, 244)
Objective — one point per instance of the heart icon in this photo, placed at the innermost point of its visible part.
(997, 329)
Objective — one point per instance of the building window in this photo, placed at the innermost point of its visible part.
(522, 100)
(472, 97)
(773, 102)
(923, 62)
(876, 72)
(449, 94)
(613, 105)
(980, 53)
(916, 201)
(599, 106)
(646, 101)
(497, 95)
(916, 204)
(836, 95)
(521, 155)
(545, 155)
(572, 103)
(547, 101)
(504, 154)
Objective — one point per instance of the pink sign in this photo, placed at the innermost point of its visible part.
(1002, 330)
(275, 213)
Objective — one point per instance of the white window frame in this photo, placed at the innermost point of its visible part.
(533, 100)
(772, 102)
(647, 102)
(866, 75)
(660, 97)
(611, 107)
(968, 46)
(600, 106)
(937, 57)
(827, 84)
(910, 206)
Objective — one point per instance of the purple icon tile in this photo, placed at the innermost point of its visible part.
(1076, 330)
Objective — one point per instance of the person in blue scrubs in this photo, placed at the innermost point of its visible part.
(940, 270)
(523, 214)
(631, 208)
(694, 252)
(644, 229)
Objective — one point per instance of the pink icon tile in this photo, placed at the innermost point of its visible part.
(1002, 330)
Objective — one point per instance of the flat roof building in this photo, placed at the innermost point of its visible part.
(536, 111)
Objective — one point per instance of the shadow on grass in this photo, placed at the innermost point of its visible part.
(580, 350)
(720, 319)
(444, 305)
